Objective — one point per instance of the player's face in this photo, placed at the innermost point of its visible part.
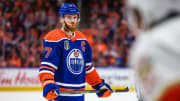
(70, 22)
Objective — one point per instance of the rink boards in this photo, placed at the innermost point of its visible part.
(13, 79)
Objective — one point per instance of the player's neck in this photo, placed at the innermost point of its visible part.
(68, 33)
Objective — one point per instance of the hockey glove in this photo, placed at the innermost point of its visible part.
(104, 88)
(51, 92)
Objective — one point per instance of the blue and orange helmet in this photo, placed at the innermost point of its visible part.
(69, 8)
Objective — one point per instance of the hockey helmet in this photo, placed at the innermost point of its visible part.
(69, 8)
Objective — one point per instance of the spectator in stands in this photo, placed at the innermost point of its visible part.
(24, 27)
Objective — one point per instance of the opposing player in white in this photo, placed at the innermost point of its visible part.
(155, 57)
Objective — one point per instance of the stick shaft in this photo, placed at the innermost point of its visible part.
(92, 91)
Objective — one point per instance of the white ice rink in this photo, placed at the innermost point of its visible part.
(37, 96)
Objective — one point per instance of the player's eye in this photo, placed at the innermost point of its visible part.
(68, 17)
(75, 17)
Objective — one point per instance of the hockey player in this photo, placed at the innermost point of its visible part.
(156, 53)
(67, 61)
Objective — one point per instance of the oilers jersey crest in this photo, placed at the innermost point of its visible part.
(75, 61)
(68, 62)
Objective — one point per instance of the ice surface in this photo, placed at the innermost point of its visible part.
(37, 96)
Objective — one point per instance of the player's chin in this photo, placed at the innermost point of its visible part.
(73, 28)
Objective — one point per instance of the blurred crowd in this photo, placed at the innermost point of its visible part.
(24, 23)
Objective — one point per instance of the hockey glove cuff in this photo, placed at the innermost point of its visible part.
(104, 88)
(51, 92)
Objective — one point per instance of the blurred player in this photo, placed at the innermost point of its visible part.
(67, 61)
(156, 53)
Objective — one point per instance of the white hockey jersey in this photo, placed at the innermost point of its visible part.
(156, 59)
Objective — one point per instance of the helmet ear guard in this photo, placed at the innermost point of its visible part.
(69, 8)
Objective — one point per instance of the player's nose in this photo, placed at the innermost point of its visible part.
(73, 20)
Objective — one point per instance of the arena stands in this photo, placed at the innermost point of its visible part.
(23, 24)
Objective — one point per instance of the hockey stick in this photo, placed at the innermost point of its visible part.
(93, 91)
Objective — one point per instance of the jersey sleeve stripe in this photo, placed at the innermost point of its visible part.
(87, 68)
(46, 71)
(47, 68)
(49, 64)
(90, 70)
(88, 64)
(44, 76)
(47, 82)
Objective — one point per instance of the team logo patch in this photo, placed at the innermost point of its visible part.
(75, 61)
(66, 45)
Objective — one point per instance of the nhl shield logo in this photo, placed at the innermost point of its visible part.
(66, 45)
